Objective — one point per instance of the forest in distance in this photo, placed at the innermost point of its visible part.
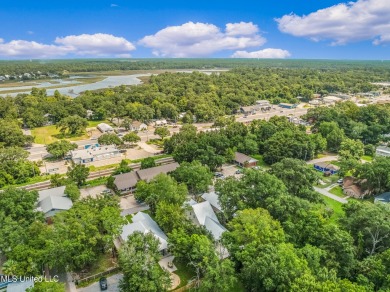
(98, 65)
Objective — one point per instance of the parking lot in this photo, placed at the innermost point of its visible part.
(93, 191)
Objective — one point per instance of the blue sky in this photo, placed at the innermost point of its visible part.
(303, 29)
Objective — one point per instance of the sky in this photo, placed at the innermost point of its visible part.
(298, 29)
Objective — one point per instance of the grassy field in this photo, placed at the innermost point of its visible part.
(184, 272)
(338, 191)
(260, 159)
(50, 134)
(95, 123)
(367, 158)
(336, 207)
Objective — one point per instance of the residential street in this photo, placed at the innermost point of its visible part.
(113, 285)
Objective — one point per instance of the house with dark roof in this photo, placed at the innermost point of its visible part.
(126, 182)
(352, 189)
(326, 167)
(244, 160)
(383, 198)
(247, 110)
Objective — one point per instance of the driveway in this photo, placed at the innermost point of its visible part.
(327, 158)
(112, 283)
(326, 193)
(92, 192)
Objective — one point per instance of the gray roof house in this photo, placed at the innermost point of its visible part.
(382, 151)
(212, 198)
(143, 223)
(203, 214)
(383, 198)
(138, 126)
(126, 182)
(94, 154)
(52, 201)
(150, 173)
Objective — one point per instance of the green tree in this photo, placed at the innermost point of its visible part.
(162, 188)
(78, 173)
(170, 216)
(138, 259)
(11, 134)
(72, 124)
(196, 176)
(123, 167)
(375, 175)
(162, 132)
(131, 138)
(298, 177)
(60, 148)
(109, 139)
(351, 149)
(47, 287)
(148, 162)
(72, 191)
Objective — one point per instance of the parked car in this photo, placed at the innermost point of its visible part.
(256, 167)
(340, 181)
(238, 171)
(103, 283)
(218, 174)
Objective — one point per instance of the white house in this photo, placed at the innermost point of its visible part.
(105, 128)
(382, 151)
(138, 126)
(94, 153)
(212, 198)
(160, 123)
(203, 214)
(143, 223)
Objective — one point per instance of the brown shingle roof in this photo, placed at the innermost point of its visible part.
(242, 158)
(126, 180)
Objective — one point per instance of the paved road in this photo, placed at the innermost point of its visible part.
(326, 193)
(113, 285)
(323, 159)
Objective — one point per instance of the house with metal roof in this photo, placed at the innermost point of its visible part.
(383, 198)
(382, 151)
(105, 128)
(150, 173)
(52, 201)
(143, 223)
(244, 160)
(213, 199)
(203, 214)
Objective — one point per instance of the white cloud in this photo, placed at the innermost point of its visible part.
(342, 23)
(96, 44)
(202, 39)
(241, 28)
(114, 5)
(263, 54)
(83, 45)
(30, 32)
(27, 49)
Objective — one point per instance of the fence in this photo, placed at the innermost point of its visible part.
(97, 276)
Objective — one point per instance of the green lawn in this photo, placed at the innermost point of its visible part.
(50, 134)
(260, 159)
(95, 123)
(328, 180)
(367, 158)
(184, 272)
(335, 206)
(338, 191)
(96, 182)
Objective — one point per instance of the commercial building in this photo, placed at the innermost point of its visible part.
(94, 153)
(287, 105)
